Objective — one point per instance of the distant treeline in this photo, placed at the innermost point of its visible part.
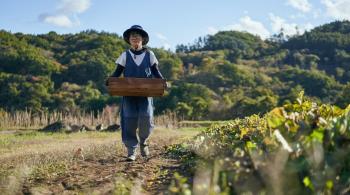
(226, 75)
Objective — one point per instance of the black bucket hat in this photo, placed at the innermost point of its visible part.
(139, 29)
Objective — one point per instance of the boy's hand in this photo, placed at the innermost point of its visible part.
(166, 85)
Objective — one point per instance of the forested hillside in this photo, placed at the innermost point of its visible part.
(222, 76)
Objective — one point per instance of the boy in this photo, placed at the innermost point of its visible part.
(137, 112)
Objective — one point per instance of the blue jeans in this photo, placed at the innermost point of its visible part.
(136, 113)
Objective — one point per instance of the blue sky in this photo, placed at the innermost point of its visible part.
(170, 23)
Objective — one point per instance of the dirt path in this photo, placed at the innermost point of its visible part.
(8, 131)
(113, 174)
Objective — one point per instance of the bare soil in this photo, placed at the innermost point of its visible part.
(112, 174)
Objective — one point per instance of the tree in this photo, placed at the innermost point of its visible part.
(17, 56)
(25, 92)
(184, 110)
(170, 68)
(343, 100)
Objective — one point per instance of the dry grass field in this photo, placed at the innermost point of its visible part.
(33, 162)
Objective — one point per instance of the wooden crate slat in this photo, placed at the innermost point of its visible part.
(136, 94)
(150, 87)
(136, 80)
(129, 87)
(137, 91)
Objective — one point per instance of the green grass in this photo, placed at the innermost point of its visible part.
(200, 123)
(192, 129)
(16, 140)
(48, 170)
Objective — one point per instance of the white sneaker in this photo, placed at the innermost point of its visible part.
(131, 157)
(144, 151)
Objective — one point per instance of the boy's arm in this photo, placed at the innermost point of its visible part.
(154, 66)
(155, 71)
(118, 71)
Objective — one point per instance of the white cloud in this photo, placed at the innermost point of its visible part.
(308, 26)
(337, 9)
(278, 23)
(66, 13)
(57, 20)
(302, 5)
(255, 27)
(212, 30)
(251, 26)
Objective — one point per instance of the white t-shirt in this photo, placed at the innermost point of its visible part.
(137, 58)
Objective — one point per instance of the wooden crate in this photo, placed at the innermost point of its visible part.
(146, 87)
